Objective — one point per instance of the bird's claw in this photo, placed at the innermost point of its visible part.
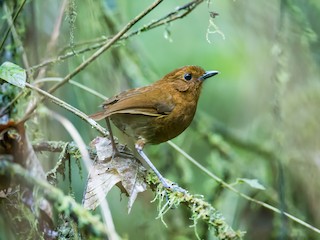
(173, 187)
(121, 154)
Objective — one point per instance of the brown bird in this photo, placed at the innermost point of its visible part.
(158, 112)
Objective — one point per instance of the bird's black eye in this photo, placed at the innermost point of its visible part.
(187, 76)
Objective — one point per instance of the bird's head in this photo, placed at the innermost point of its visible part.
(188, 78)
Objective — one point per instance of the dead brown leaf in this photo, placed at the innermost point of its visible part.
(125, 171)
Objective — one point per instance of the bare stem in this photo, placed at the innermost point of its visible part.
(231, 188)
(97, 43)
(70, 108)
(5, 36)
(93, 57)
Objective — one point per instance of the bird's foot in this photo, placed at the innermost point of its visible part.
(173, 186)
(116, 153)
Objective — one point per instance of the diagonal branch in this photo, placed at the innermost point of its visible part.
(231, 188)
(70, 108)
(93, 57)
(5, 36)
(178, 13)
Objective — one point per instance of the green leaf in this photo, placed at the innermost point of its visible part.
(251, 182)
(13, 74)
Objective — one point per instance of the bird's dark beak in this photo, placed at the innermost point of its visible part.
(208, 74)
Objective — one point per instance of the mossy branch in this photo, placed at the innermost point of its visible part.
(64, 204)
(200, 209)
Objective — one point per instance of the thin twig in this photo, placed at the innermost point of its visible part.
(54, 36)
(79, 85)
(70, 108)
(228, 186)
(93, 57)
(7, 107)
(10, 25)
(172, 16)
(17, 39)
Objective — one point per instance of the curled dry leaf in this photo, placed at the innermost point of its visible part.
(124, 171)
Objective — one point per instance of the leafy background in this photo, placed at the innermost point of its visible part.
(258, 119)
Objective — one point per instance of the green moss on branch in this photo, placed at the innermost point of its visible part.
(66, 205)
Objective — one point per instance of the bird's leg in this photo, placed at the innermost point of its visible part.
(139, 148)
(115, 151)
(147, 160)
(113, 144)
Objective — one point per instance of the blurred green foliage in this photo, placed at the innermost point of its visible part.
(258, 119)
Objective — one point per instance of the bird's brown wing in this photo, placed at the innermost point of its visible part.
(150, 101)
